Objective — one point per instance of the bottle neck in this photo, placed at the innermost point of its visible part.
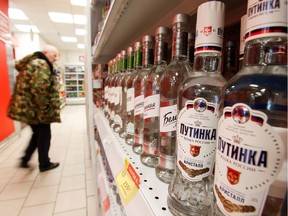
(138, 59)
(266, 52)
(161, 50)
(180, 41)
(130, 62)
(207, 62)
(148, 54)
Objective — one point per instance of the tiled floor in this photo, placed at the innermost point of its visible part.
(65, 191)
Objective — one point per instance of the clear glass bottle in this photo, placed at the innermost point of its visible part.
(251, 153)
(175, 73)
(242, 40)
(150, 153)
(199, 97)
(230, 65)
(130, 66)
(129, 139)
(122, 65)
(114, 92)
(138, 83)
(106, 89)
(111, 89)
(191, 47)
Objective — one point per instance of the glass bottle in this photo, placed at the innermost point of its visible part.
(129, 139)
(199, 97)
(122, 65)
(130, 66)
(106, 89)
(138, 83)
(113, 92)
(150, 153)
(242, 40)
(251, 153)
(175, 73)
(230, 66)
(191, 47)
(111, 89)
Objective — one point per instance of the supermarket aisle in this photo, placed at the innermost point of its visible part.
(65, 191)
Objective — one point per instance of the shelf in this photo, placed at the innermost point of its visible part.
(152, 194)
(127, 21)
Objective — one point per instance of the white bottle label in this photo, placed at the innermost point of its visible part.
(119, 90)
(249, 157)
(130, 128)
(168, 117)
(196, 139)
(112, 94)
(139, 105)
(105, 92)
(130, 99)
(116, 96)
(151, 106)
(266, 18)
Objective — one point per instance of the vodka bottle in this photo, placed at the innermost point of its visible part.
(106, 89)
(230, 66)
(191, 190)
(150, 153)
(114, 92)
(138, 83)
(242, 40)
(191, 47)
(176, 72)
(129, 139)
(251, 153)
(111, 89)
(130, 63)
(122, 64)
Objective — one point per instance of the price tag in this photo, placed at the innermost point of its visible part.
(128, 182)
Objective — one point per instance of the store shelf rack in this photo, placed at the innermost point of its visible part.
(127, 21)
(151, 197)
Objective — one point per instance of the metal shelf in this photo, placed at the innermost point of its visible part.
(152, 194)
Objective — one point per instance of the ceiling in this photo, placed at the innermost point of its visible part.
(51, 32)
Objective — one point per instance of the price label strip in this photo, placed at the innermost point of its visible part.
(127, 182)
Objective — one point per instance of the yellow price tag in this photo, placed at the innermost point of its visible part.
(128, 182)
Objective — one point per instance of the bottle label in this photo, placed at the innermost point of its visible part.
(139, 105)
(196, 139)
(105, 92)
(116, 96)
(266, 18)
(151, 147)
(112, 93)
(130, 99)
(210, 27)
(117, 119)
(249, 157)
(167, 161)
(168, 118)
(130, 128)
(119, 90)
(151, 106)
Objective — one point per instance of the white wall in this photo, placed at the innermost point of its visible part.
(70, 57)
(27, 44)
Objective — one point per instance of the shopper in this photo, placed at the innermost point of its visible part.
(35, 101)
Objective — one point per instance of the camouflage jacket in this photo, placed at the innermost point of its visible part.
(36, 98)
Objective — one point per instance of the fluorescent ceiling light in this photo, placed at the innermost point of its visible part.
(79, 19)
(69, 39)
(16, 14)
(27, 28)
(80, 31)
(61, 17)
(81, 46)
(78, 2)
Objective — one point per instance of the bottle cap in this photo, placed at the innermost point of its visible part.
(123, 52)
(266, 18)
(210, 27)
(130, 51)
(242, 34)
(180, 18)
(162, 30)
(137, 45)
(147, 38)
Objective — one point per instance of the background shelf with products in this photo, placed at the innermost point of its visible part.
(74, 84)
